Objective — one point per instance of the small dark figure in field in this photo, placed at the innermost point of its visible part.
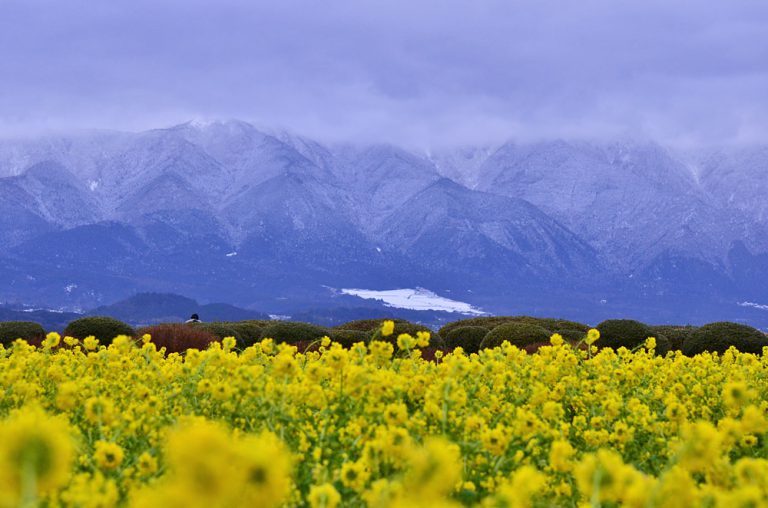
(194, 318)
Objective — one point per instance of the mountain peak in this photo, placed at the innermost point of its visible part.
(221, 206)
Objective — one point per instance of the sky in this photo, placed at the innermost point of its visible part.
(422, 73)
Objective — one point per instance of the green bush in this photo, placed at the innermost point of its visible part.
(492, 322)
(628, 333)
(718, 337)
(221, 329)
(518, 334)
(411, 329)
(676, 334)
(103, 328)
(27, 330)
(294, 332)
(551, 324)
(663, 344)
(261, 323)
(571, 335)
(248, 332)
(489, 322)
(467, 337)
(366, 325)
(348, 338)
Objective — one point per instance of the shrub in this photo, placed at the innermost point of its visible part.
(247, 332)
(718, 337)
(103, 328)
(220, 330)
(294, 332)
(628, 333)
(261, 323)
(27, 330)
(675, 334)
(492, 322)
(518, 334)
(571, 335)
(663, 344)
(366, 325)
(348, 338)
(489, 322)
(551, 324)
(402, 327)
(178, 337)
(467, 337)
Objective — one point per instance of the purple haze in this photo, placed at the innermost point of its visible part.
(423, 73)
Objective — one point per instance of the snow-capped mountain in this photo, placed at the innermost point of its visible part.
(227, 209)
(633, 203)
(738, 178)
(453, 230)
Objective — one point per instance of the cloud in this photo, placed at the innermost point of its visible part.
(412, 72)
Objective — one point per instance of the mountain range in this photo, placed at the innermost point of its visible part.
(275, 222)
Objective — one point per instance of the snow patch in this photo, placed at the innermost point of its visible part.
(36, 309)
(753, 305)
(70, 287)
(414, 299)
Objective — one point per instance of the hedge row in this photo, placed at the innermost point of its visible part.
(472, 335)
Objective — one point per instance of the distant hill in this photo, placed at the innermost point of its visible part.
(48, 319)
(150, 308)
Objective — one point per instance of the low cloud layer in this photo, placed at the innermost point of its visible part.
(422, 73)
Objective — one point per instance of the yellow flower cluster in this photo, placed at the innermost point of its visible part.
(127, 425)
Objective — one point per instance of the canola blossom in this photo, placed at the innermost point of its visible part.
(376, 425)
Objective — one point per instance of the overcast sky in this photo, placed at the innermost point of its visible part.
(413, 72)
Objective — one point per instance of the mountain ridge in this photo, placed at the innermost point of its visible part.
(201, 208)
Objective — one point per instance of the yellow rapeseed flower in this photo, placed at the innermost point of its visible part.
(560, 455)
(354, 475)
(362, 426)
(52, 340)
(99, 410)
(323, 496)
(387, 328)
(228, 343)
(735, 395)
(36, 453)
(701, 447)
(405, 341)
(422, 338)
(91, 343)
(108, 455)
(495, 440)
(520, 492)
(146, 464)
(266, 465)
(434, 469)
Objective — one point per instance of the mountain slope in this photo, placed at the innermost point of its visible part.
(447, 227)
(632, 202)
(224, 208)
(738, 178)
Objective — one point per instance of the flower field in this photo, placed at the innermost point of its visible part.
(376, 425)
